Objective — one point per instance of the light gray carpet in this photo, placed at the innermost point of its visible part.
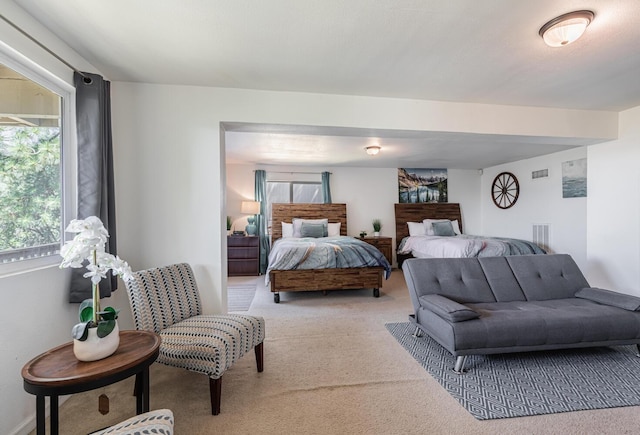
(330, 367)
(240, 297)
(533, 383)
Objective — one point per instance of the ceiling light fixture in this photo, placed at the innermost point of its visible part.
(373, 150)
(565, 29)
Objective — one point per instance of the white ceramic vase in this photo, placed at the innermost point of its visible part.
(94, 347)
(376, 234)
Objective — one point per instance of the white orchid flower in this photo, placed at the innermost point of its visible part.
(88, 245)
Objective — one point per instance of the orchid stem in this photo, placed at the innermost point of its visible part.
(96, 294)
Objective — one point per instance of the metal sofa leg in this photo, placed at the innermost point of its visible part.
(638, 349)
(215, 390)
(418, 332)
(259, 349)
(459, 367)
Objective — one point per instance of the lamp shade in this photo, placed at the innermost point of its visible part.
(565, 29)
(250, 207)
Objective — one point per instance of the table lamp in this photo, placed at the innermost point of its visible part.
(252, 208)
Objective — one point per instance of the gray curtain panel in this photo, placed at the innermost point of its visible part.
(95, 171)
(261, 196)
(326, 188)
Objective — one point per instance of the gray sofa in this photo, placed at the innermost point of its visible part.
(514, 304)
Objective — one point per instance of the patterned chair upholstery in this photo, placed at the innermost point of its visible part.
(166, 300)
(153, 422)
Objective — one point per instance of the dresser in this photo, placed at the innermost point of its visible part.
(382, 243)
(243, 255)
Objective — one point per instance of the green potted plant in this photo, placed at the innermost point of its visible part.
(377, 226)
(229, 224)
(97, 335)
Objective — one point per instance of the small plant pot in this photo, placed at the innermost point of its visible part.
(376, 234)
(94, 347)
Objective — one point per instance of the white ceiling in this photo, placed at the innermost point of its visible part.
(472, 51)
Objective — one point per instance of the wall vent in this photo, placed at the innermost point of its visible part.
(541, 235)
(542, 173)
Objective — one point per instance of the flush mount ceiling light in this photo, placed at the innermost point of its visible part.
(373, 150)
(565, 29)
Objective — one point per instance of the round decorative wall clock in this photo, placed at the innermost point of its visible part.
(505, 190)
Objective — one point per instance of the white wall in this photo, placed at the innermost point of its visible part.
(613, 205)
(540, 201)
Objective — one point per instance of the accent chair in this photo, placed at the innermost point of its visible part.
(166, 300)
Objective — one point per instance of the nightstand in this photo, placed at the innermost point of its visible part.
(382, 243)
(243, 255)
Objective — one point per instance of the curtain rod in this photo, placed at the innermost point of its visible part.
(15, 26)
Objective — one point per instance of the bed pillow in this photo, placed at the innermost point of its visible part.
(416, 229)
(313, 230)
(443, 229)
(428, 225)
(333, 230)
(456, 227)
(297, 224)
(287, 230)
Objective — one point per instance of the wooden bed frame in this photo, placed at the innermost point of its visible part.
(319, 279)
(417, 213)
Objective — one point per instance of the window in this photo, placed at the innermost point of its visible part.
(279, 192)
(32, 158)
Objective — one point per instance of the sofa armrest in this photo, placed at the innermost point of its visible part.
(447, 309)
(608, 297)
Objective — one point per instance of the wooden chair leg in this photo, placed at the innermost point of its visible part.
(260, 356)
(215, 390)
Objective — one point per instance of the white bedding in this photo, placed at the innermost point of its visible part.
(441, 247)
(462, 246)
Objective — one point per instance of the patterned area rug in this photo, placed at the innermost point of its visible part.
(239, 297)
(533, 383)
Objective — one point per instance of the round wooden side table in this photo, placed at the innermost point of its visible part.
(57, 372)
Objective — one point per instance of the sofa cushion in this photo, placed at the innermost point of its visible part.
(509, 326)
(504, 285)
(459, 279)
(608, 297)
(543, 277)
(448, 309)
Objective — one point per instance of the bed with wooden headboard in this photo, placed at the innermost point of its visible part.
(318, 279)
(481, 246)
(420, 211)
(417, 213)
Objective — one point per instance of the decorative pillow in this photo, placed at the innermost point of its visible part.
(443, 229)
(333, 230)
(448, 309)
(313, 230)
(608, 297)
(297, 223)
(416, 229)
(428, 225)
(287, 230)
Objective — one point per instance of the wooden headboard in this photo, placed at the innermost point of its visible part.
(417, 212)
(286, 212)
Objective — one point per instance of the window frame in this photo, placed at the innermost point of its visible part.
(68, 152)
(291, 184)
